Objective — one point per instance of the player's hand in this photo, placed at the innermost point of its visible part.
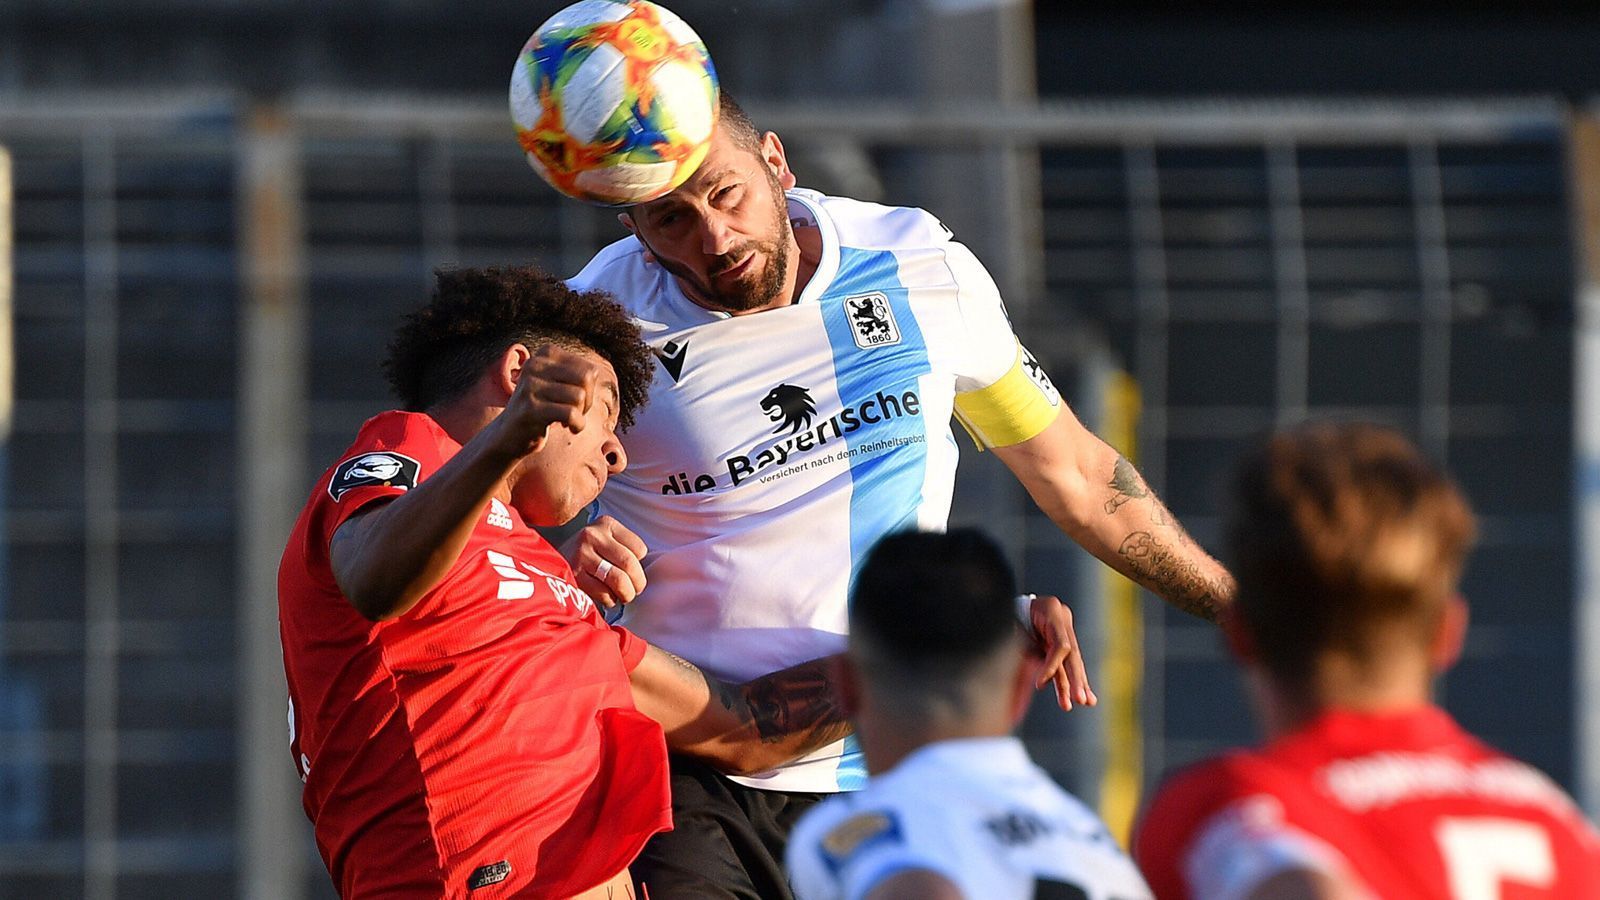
(1057, 642)
(556, 387)
(607, 558)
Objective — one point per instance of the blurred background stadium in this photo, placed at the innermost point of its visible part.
(211, 212)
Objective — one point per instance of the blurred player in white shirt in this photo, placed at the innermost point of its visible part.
(938, 675)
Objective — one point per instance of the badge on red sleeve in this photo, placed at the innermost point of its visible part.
(376, 468)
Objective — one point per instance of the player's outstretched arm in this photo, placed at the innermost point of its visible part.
(1097, 497)
(746, 728)
(385, 560)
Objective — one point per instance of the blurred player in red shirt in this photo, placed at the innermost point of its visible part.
(466, 723)
(1348, 546)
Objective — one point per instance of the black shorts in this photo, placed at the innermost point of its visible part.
(727, 840)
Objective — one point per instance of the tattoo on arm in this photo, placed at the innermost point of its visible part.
(1128, 485)
(1170, 570)
(1172, 575)
(798, 701)
(724, 694)
(682, 663)
(797, 704)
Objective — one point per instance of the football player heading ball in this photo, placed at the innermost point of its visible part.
(890, 327)
(879, 327)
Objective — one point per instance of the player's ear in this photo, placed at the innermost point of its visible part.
(1450, 634)
(626, 218)
(1241, 643)
(773, 155)
(507, 369)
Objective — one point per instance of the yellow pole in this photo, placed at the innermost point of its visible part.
(1123, 668)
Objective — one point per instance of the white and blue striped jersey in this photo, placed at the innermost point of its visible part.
(978, 812)
(778, 446)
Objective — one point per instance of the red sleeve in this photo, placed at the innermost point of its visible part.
(632, 647)
(393, 453)
(1583, 870)
(1162, 834)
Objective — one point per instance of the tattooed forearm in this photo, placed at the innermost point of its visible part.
(726, 694)
(1128, 485)
(742, 728)
(798, 704)
(1173, 576)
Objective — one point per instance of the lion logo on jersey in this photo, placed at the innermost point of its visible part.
(871, 319)
(790, 407)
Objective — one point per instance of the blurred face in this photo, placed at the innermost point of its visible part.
(555, 483)
(724, 233)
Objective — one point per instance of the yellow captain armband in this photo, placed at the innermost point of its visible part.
(1015, 408)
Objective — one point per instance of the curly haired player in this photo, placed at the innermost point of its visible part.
(465, 722)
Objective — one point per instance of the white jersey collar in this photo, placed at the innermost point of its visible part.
(805, 208)
(993, 754)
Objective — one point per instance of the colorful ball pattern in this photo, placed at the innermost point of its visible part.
(614, 101)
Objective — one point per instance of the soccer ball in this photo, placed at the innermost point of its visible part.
(614, 101)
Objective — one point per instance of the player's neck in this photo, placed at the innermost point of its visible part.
(808, 238)
(886, 741)
(462, 421)
(1396, 686)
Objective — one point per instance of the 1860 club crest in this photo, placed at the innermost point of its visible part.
(872, 320)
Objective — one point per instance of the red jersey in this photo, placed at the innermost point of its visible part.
(485, 743)
(1408, 804)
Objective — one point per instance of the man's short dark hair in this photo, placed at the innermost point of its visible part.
(732, 118)
(935, 600)
(1340, 535)
(441, 350)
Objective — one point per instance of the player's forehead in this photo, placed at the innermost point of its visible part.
(608, 374)
(610, 389)
(724, 160)
(607, 383)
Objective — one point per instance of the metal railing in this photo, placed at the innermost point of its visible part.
(1248, 263)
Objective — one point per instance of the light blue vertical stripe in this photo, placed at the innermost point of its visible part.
(889, 457)
(852, 772)
(886, 483)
